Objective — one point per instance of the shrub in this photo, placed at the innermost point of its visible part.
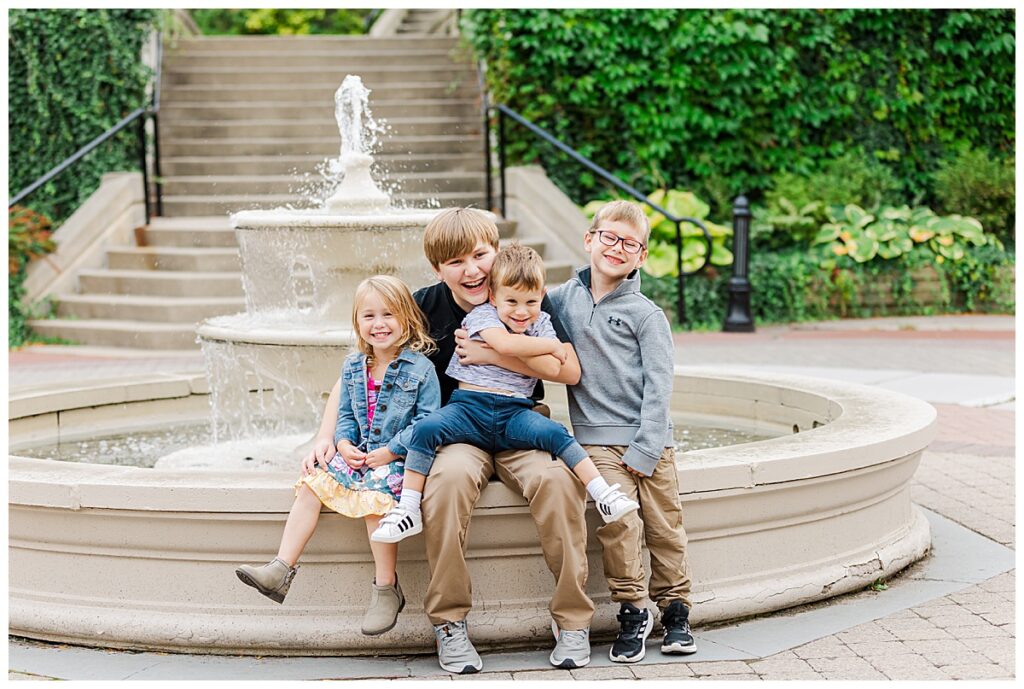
(28, 237)
(791, 286)
(728, 97)
(279, 21)
(975, 184)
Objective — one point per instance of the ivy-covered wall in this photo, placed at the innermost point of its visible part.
(718, 100)
(72, 75)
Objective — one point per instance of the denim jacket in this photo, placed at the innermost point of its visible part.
(409, 392)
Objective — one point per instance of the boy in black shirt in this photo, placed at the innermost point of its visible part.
(461, 244)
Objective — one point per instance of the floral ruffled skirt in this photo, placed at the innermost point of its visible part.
(357, 492)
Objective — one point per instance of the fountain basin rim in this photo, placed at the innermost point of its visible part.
(331, 335)
(855, 439)
(314, 219)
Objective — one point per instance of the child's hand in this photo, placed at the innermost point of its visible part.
(471, 352)
(352, 455)
(380, 457)
(309, 466)
(323, 450)
(632, 470)
(561, 353)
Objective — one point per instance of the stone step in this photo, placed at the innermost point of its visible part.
(211, 236)
(186, 310)
(284, 128)
(178, 206)
(161, 283)
(538, 244)
(319, 146)
(557, 272)
(285, 92)
(300, 164)
(191, 259)
(352, 59)
(119, 333)
(234, 185)
(315, 43)
(371, 75)
(322, 109)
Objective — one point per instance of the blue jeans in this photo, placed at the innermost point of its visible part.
(493, 423)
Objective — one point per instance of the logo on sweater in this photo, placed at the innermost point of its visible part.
(614, 321)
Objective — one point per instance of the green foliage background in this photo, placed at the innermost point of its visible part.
(279, 21)
(790, 286)
(718, 100)
(72, 75)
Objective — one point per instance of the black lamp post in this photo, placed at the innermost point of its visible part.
(737, 316)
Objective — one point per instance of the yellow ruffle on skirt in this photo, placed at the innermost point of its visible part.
(351, 503)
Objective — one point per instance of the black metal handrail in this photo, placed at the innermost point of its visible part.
(370, 19)
(139, 115)
(504, 111)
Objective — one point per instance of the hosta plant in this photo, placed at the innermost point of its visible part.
(852, 231)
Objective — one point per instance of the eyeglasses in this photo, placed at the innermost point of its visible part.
(630, 246)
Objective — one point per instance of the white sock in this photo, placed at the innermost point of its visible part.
(597, 486)
(410, 501)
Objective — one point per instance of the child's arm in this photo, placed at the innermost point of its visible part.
(323, 441)
(512, 344)
(654, 337)
(428, 400)
(476, 352)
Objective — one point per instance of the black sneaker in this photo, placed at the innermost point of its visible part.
(635, 626)
(676, 621)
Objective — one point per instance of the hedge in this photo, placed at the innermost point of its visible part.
(719, 100)
(72, 75)
(790, 286)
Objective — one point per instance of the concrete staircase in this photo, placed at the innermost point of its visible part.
(242, 122)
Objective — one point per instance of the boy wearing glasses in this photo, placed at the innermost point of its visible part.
(620, 414)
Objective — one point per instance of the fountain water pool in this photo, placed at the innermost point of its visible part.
(144, 557)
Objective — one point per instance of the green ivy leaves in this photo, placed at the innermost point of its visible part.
(714, 100)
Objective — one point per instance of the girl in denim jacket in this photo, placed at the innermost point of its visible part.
(356, 467)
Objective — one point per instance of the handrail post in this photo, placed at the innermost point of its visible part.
(488, 172)
(738, 318)
(501, 158)
(157, 174)
(680, 282)
(142, 160)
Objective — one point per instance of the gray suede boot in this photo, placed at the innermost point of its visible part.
(385, 604)
(272, 579)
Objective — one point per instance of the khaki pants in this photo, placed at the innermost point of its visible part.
(557, 504)
(659, 521)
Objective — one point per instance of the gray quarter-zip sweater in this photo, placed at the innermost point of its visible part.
(625, 348)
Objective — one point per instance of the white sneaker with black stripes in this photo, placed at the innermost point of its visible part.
(396, 525)
(613, 504)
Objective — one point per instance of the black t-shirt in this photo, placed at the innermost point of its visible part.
(444, 316)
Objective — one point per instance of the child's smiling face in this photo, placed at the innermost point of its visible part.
(518, 308)
(378, 325)
(466, 275)
(615, 262)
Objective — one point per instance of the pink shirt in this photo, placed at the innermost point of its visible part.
(372, 390)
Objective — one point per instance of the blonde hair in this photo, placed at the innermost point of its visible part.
(396, 296)
(456, 232)
(622, 211)
(517, 265)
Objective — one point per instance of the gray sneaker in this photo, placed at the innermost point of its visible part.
(455, 651)
(572, 649)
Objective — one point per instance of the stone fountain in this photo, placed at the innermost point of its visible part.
(143, 558)
(270, 367)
